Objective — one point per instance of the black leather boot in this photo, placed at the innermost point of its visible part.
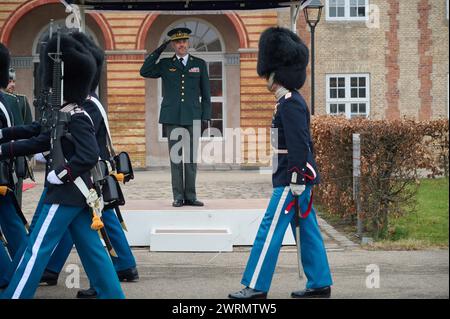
(177, 203)
(248, 293)
(87, 293)
(130, 275)
(324, 292)
(49, 277)
(193, 203)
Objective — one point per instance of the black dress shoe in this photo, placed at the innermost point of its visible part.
(130, 275)
(324, 292)
(248, 293)
(87, 293)
(193, 203)
(49, 277)
(177, 203)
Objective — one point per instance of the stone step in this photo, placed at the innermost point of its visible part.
(157, 224)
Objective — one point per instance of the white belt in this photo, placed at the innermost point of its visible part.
(277, 151)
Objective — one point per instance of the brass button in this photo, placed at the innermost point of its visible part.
(182, 100)
(182, 93)
(182, 75)
(182, 87)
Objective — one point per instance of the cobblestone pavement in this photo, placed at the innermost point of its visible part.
(149, 185)
(231, 184)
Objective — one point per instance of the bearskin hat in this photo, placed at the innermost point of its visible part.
(79, 68)
(5, 59)
(281, 51)
(97, 53)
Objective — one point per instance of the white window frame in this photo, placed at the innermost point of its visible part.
(346, 16)
(348, 100)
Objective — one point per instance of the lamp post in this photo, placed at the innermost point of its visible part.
(312, 15)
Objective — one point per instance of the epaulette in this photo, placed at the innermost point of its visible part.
(77, 110)
(69, 108)
(10, 94)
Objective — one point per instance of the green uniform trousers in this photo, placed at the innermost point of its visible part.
(183, 161)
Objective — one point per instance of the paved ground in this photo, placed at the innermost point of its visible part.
(416, 274)
(419, 274)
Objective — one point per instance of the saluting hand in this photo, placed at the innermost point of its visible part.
(162, 47)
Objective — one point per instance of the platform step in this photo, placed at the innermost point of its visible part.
(183, 239)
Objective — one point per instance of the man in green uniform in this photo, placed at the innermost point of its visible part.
(23, 104)
(20, 111)
(184, 81)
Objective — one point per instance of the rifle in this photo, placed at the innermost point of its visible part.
(98, 178)
(43, 108)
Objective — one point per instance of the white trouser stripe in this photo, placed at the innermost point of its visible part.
(35, 250)
(268, 240)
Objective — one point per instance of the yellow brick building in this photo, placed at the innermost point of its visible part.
(381, 59)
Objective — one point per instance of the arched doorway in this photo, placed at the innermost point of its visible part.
(26, 27)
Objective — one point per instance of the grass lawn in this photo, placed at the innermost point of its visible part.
(427, 227)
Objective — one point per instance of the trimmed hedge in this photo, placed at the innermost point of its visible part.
(394, 154)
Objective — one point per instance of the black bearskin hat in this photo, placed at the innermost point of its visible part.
(79, 68)
(4, 66)
(283, 52)
(97, 53)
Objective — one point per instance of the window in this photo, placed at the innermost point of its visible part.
(348, 94)
(347, 10)
(205, 43)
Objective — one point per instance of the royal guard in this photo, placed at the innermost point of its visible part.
(70, 191)
(282, 61)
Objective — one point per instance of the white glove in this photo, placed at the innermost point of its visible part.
(39, 157)
(297, 190)
(53, 179)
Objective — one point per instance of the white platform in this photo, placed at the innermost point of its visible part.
(218, 226)
(191, 239)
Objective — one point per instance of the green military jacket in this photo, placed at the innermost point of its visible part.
(182, 88)
(25, 109)
(12, 105)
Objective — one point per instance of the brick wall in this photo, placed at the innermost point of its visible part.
(438, 22)
(352, 47)
(126, 105)
(126, 88)
(257, 104)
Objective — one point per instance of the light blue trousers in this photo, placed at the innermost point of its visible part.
(263, 257)
(47, 233)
